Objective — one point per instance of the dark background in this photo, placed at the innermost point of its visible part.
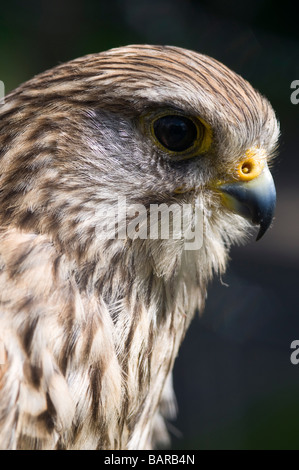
(235, 384)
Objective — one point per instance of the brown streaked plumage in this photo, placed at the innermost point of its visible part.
(91, 326)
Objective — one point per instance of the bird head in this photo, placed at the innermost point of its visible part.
(151, 124)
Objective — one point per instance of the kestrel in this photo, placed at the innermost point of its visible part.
(92, 309)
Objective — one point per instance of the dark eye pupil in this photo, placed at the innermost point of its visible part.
(176, 133)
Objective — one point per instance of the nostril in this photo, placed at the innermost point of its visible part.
(247, 168)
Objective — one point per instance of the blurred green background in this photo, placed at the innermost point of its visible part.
(235, 384)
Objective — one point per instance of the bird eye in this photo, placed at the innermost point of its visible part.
(181, 137)
(175, 133)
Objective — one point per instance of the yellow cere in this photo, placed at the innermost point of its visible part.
(252, 165)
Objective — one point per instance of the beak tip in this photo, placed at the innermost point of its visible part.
(264, 225)
(260, 234)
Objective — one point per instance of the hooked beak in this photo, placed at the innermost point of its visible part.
(253, 196)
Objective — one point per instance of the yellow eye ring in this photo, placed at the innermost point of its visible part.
(200, 135)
